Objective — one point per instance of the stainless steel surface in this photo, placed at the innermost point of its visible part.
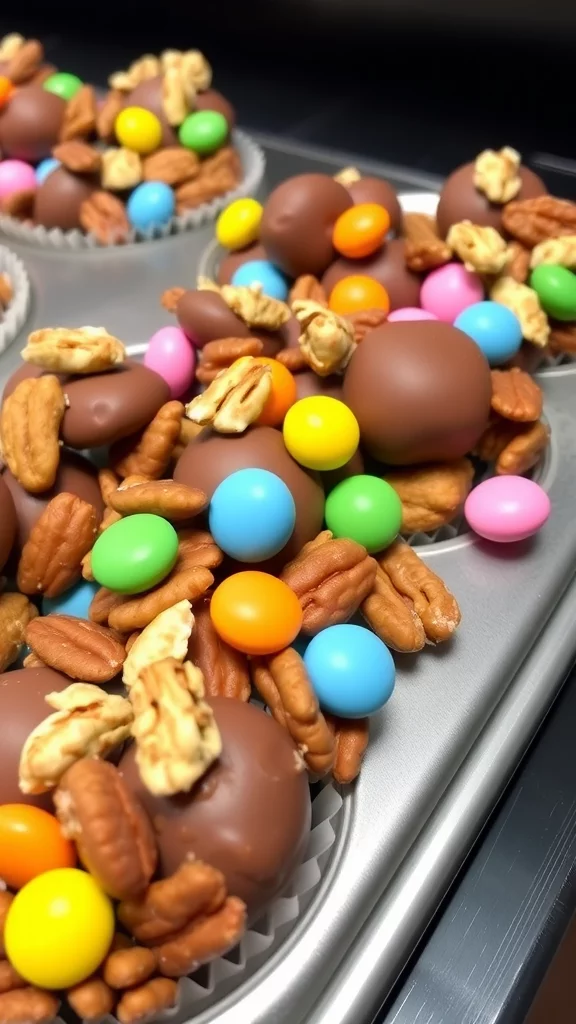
(398, 841)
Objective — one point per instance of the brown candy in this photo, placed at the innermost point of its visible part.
(388, 267)
(377, 190)
(30, 123)
(461, 200)
(59, 199)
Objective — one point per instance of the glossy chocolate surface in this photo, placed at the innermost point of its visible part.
(30, 123)
(59, 198)
(461, 200)
(388, 266)
(377, 190)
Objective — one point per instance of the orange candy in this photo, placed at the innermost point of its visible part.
(6, 89)
(357, 292)
(361, 230)
(256, 613)
(31, 842)
(282, 395)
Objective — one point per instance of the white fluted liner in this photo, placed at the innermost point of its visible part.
(16, 313)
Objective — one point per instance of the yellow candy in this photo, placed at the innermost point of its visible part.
(59, 928)
(138, 129)
(321, 432)
(238, 225)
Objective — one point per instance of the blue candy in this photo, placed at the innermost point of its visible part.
(151, 204)
(75, 601)
(252, 515)
(351, 670)
(273, 281)
(494, 328)
(45, 167)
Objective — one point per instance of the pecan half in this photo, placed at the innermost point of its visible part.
(252, 306)
(173, 165)
(425, 249)
(524, 302)
(308, 287)
(350, 742)
(326, 339)
(365, 320)
(197, 547)
(108, 483)
(52, 556)
(78, 157)
(19, 204)
(28, 1006)
(513, 447)
(91, 999)
(74, 349)
(431, 495)
(176, 735)
(107, 114)
(166, 636)
(220, 355)
(126, 968)
(204, 187)
(112, 832)
(183, 584)
(147, 1000)
(283, 684)
(517, 262)
(9, 978)
(76, 647)
(234, 399)
(194, 890)
(165, 498)
(532, 221)
(293, 359)
(481, 248)
(203, 940)
(104, 216)
(435, 606)
(516, 395)
(149, 454)
(16, 612)
(392, 618)
(80, 115)
(121, 169)
(225, 670)
(330, 579)
(497, 174)
(562, 337)
(25, 61)
(29, 427)
(87, 722)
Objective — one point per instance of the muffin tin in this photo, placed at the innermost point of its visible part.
(460, 715)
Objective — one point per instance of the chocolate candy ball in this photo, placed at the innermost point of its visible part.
(377, 190)
(298, 221)
(211, 99)
(30, 123)
(212, 457)
(58, 200)
(249, 815)
(76, 475)
(420, 391)
(388, 267)
(461, 200)
(7, 523)
(22, 708)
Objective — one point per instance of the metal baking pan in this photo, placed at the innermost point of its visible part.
(460, 714)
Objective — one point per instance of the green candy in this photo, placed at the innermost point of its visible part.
(204, 132)
(63, 84)
(556, 288)
(135, 553)
(365, 509)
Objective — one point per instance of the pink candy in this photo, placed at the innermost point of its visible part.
(410, 313)
(172, 356)
(16, 176)
(449, 290)
(507, 508)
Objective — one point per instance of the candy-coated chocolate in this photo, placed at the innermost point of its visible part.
(230, 263)
(256, 612)
(377, 190)
(264, 273)
(449, 290)
(420, 391)
(75, 601)
(555, 286)
(321, 432)
(238, 225)
(204, 317)
(298, 222)
(409, 313)
(203, 131)
(495, 329)
(6, 90)
(351, 670)
(282, 395)
(151, 205)
(16, 176)
(252, 515)
(45, 167)
(31, 842)
(361, 230)
(366, 509)
(387, 266)
(507, 508)
(63, 84)
(73, 926)
(30, 123)
(356, 293)
(135, 553)
(171, 355)
(461, 200)
(212, 457)
(138, 129)
(248, 816)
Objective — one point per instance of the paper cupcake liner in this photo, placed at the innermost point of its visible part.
(16, 313)
(253, 163)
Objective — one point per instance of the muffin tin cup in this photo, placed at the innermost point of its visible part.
(16, 313)
(253, 164)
